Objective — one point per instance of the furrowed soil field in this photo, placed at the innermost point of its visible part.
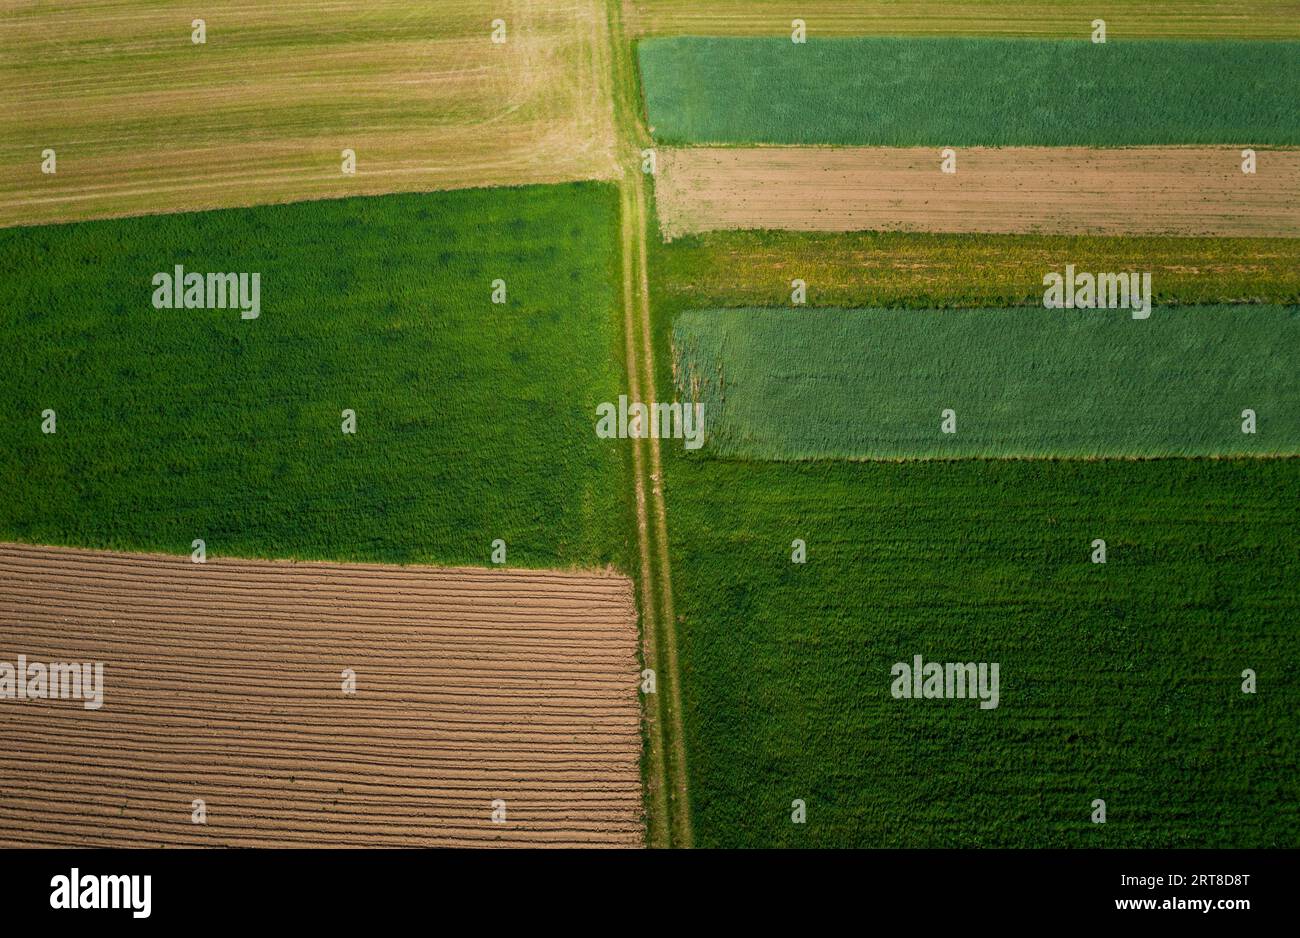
(1157, 190)
(878, 384)
(473, 419)
(954, 92)
(1209, 19)
(904, 269)
(142, 119)
(224, 682)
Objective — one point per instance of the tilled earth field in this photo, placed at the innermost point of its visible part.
(478, 692)
(1051, 190)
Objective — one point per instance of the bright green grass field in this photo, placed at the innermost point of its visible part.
(971, 92)
(474, 420)
(1119, 681)
(829, 383)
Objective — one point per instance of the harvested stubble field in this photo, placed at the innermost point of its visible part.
(1058, 190)
(961, 92)
(144, 120)
(223, 682)
(1209, 19)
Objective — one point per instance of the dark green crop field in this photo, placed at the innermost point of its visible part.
(1027, 382)
(473, 420)
(1119, 681)
(970, 92)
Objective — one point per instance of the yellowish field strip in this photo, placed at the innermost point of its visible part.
(143, 120)
(223, 683)
(1206, 19)
(1063, 190)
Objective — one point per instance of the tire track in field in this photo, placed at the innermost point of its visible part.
(223, 682)
(666, 737)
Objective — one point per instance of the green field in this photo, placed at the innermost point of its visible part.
(1118, 681)
(474, 420)
(828, 383)
(859, 269)
(970, 92)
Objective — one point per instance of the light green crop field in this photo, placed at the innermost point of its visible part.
(473, 420)
(970, 92)
(1207, 19)
(878, 383)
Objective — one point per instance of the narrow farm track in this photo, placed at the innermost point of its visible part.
(223, 682)
(670, 820)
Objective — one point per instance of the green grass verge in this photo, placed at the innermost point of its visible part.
(754, 268)
(474, 420)
(970, 92)
(824, 383)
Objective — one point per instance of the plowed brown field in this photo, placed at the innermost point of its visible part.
(222, 682)
(1055, 190)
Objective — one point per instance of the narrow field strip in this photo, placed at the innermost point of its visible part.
(1208, 19)
(913, 384)
(923, 270)
(961, 92)
(1183, 191)
(247, 711)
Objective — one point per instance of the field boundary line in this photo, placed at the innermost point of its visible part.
(657, 828)
(661, 646)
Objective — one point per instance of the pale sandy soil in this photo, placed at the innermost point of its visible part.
(1057, 190)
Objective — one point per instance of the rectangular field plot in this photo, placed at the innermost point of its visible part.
(1120, 681)
(923, 270)
(476, 691)
(1027, 382)
(472, 418)
(1183, 191)
(957, 92)
(1209, 19)
(142, 119)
